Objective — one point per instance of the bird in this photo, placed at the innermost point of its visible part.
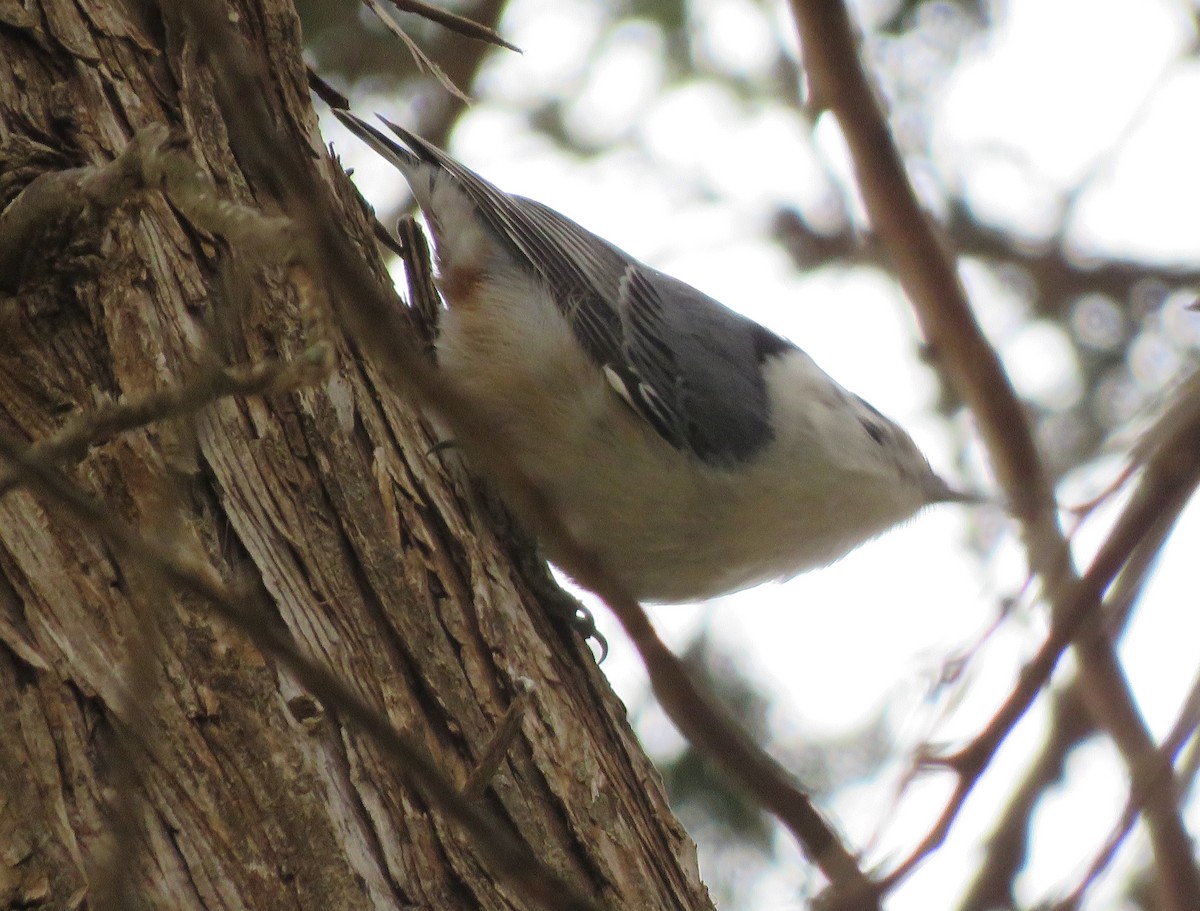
(688, 450)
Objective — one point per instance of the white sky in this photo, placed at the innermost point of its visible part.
(1026, 114)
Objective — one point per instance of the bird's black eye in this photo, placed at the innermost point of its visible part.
(874, 431)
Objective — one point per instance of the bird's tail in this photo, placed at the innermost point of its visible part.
(407, 160)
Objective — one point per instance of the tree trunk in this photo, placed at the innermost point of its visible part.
(143, 740)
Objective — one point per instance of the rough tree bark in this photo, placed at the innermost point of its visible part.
(124, 699)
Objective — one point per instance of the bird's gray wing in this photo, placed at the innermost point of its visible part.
(688, 365)
(698, 365)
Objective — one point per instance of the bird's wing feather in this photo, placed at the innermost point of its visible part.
(688, 365)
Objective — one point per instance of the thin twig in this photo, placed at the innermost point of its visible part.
(498, 746)
(419, 57)
(1168, 480)
(1069, 725)
(1007, 846)
(74, 438)
(467, 27)
(1181, 732)
(708, 726)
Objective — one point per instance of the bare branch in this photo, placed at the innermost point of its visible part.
(1007, 845)
(926, 271)
(1169, 478)
(1057, 278)
(1070, 725)
(72, 441)
(1181, 732)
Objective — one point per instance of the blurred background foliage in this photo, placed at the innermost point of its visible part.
(1105, 315)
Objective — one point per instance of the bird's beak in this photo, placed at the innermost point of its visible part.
(944, 493)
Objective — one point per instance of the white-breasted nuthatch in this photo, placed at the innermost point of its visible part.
(690, 450)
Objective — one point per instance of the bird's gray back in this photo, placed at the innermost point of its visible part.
(688, 365)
